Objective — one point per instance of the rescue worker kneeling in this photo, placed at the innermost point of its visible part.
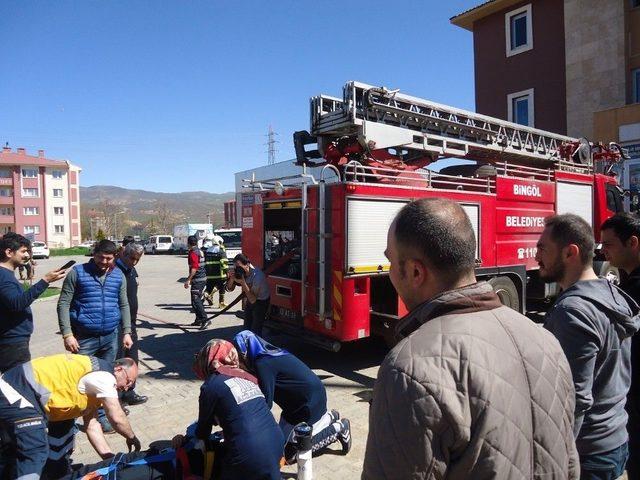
(55, 390)
(287, 381)
(230, 397)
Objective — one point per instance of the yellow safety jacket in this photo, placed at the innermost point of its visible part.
(57, 377)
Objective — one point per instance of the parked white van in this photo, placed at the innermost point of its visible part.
(159, 244)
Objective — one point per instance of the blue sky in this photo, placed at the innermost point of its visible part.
(178, 95)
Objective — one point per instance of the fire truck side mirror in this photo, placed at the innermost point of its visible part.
(300, 140)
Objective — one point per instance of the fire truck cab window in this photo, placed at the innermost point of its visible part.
(282, 241)
(614, 200)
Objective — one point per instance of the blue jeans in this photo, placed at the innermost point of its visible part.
(100, 346)
(604, 466)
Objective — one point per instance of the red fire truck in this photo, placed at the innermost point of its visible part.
(321, 234)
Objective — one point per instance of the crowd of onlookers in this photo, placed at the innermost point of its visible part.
(476, 390)
(41, 399)
(473, 389)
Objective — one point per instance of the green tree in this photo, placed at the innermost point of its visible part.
(100, 235)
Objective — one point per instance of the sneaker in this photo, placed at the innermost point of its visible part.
(107, 429)
(335, 415)
(196, 323)
(205, 325)
(222, 305)
(345, 436)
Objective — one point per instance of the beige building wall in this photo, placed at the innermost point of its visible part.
(74, 204)
(607, 123)
(595, 61)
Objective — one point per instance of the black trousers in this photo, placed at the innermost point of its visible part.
(220, 284)
(196, 301)
(255, 314)
(132, 352)
(14, 354)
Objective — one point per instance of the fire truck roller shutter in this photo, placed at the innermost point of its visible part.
(368, 222)
(575, 198)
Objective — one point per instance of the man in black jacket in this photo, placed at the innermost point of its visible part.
(621, 247)
(127, 260)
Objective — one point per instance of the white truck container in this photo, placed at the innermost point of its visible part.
(232, 240)
(182, 232)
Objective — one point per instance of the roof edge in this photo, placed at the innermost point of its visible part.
(468, 18)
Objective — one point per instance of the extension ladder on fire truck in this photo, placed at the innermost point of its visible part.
(378, 136)
(382, 118)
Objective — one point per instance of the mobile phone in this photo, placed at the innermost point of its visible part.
(70, 263)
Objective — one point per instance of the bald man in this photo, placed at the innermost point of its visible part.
(473, 389)
(53, 391)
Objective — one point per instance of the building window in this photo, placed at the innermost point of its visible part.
(29, 173)
(29, 192)
(58, 210)
(520, 107)
(57, 173)
(6, 192)
(35, 229)
(5, 173)
(31, 211)
(58, 228)
(635, 84)
(6, 210)
(519, 34)
(57, 192)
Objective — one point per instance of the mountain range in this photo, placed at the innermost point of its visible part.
(142, 211)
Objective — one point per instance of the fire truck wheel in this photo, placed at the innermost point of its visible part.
(506, 291)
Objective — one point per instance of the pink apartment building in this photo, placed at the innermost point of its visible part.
(40, 197)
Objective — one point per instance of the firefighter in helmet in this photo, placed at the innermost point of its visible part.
(216, 266)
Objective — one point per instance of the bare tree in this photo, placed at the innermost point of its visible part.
(162, 220)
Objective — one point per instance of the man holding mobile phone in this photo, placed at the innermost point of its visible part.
(16, 319)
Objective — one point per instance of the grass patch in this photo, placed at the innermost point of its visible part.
(49, 292)
(60, 252)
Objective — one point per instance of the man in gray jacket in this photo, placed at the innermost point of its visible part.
(474, 390)
(594, 321)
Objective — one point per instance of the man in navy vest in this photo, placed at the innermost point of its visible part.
(92, 306)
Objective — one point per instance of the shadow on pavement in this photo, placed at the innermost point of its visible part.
(347, 363)
(175, 352)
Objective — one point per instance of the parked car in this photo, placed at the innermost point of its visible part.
(39, 250)
(159, 244)
(87, 244)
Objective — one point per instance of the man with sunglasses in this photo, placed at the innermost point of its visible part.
(50, 393)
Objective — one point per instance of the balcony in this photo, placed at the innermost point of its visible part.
(6, 181)
(6, 219)
(6, 200)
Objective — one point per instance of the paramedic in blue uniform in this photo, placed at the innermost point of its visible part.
(230, 397)
(287, 381)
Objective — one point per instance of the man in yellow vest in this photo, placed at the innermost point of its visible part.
(60, 388)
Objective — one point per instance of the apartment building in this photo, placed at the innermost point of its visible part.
(39, 197)
(569, 66)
